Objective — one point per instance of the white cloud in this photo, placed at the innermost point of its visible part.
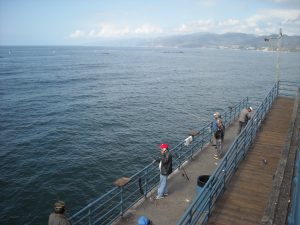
(196, 26)
(92, 33)
(148, 29)
(262, 23)
(275, 15)
(229, 22)
(270, 20)
(110, 30)
(77, 34)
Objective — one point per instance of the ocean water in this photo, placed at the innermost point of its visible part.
(74, 119)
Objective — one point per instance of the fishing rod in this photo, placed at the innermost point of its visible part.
(183, 172)
(191, 114)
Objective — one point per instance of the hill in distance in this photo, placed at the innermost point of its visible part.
(228, 40)
(211, 40)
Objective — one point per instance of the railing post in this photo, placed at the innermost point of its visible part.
(235, 157)
(234, 115)
(202, 141)
(121, 201)
(262, 115)
(90, 216)
(210, 198)
(225, 172)
(146, 183)
(244, 145)
(270, 103)
(120, 183)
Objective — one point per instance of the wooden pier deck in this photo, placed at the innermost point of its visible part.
(246, 196)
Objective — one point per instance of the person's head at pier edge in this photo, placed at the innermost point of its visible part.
(164, 148)
(216, 115)
(59, 207)
(250, 109)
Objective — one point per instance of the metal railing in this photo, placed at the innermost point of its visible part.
(294, 215)
(113, 204)
(200, 210)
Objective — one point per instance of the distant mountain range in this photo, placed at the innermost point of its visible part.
(228, 40)
(210, 40)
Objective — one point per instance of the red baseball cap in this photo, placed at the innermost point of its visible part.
(164, 146)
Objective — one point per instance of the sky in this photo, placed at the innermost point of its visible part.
(77, 22)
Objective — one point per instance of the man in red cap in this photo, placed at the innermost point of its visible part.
(165, 166)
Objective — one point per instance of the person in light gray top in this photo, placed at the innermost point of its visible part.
(244, 117)
(58, 216)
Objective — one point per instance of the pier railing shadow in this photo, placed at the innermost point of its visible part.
(114, 204)
(200, 210)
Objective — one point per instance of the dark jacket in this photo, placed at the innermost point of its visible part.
(219, 134)
(166, 164)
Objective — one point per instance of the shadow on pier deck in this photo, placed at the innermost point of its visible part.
(255, 194)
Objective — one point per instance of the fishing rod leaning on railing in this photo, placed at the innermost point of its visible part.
(118, 200)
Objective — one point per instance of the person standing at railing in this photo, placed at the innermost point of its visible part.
(165, 167)
(214, 127)
(58, 216)
(244, 117)
(219, 136)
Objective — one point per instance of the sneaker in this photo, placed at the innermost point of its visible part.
(166, 194)
(159, 197)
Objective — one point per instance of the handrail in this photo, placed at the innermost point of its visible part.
(112, 205)
(199, 211)
(294, 211)
(294, 215)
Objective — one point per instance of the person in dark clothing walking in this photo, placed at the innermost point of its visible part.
(165, 166)
(58, 216)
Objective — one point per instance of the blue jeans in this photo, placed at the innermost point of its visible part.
(162, 186)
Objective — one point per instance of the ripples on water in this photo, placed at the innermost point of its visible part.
(74, 119)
